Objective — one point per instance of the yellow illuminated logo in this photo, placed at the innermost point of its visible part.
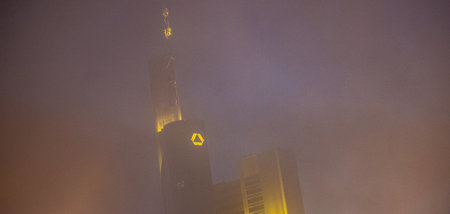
(197, 139)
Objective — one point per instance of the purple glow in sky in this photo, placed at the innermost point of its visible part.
(357, 89)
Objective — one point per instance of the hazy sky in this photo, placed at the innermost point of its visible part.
(358, 89)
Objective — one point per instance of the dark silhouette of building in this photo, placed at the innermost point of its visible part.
(186, 174)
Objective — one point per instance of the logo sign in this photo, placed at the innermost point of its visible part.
(197, 139)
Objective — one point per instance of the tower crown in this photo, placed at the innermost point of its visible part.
(167, 29)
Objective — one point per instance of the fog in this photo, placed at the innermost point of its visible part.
(358, 90)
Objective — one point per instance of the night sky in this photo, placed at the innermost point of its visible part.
(359, 90)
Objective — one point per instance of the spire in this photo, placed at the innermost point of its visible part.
(167, 28)
(166, 106)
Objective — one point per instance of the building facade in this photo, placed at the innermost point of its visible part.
(228, 198)
(269, 184)
(186, 175)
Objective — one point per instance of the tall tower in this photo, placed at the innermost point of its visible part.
(182, 144)
(163, 86)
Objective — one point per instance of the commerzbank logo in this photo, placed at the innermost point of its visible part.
(197, 139)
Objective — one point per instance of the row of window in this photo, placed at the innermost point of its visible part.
(255, 199)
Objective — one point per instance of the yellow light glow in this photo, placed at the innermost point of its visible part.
(167, 32)
(200, 139)
(165, 12)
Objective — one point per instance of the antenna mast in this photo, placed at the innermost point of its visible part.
(167, 28)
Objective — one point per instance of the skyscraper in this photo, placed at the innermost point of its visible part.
(163, 85)
(186, 174)
(182, 145)
(269, 184)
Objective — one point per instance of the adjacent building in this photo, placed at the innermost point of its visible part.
(269, 184)
(228, 197)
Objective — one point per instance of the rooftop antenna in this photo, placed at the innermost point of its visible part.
(167, 30)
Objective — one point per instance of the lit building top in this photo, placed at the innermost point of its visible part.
(167, 29)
